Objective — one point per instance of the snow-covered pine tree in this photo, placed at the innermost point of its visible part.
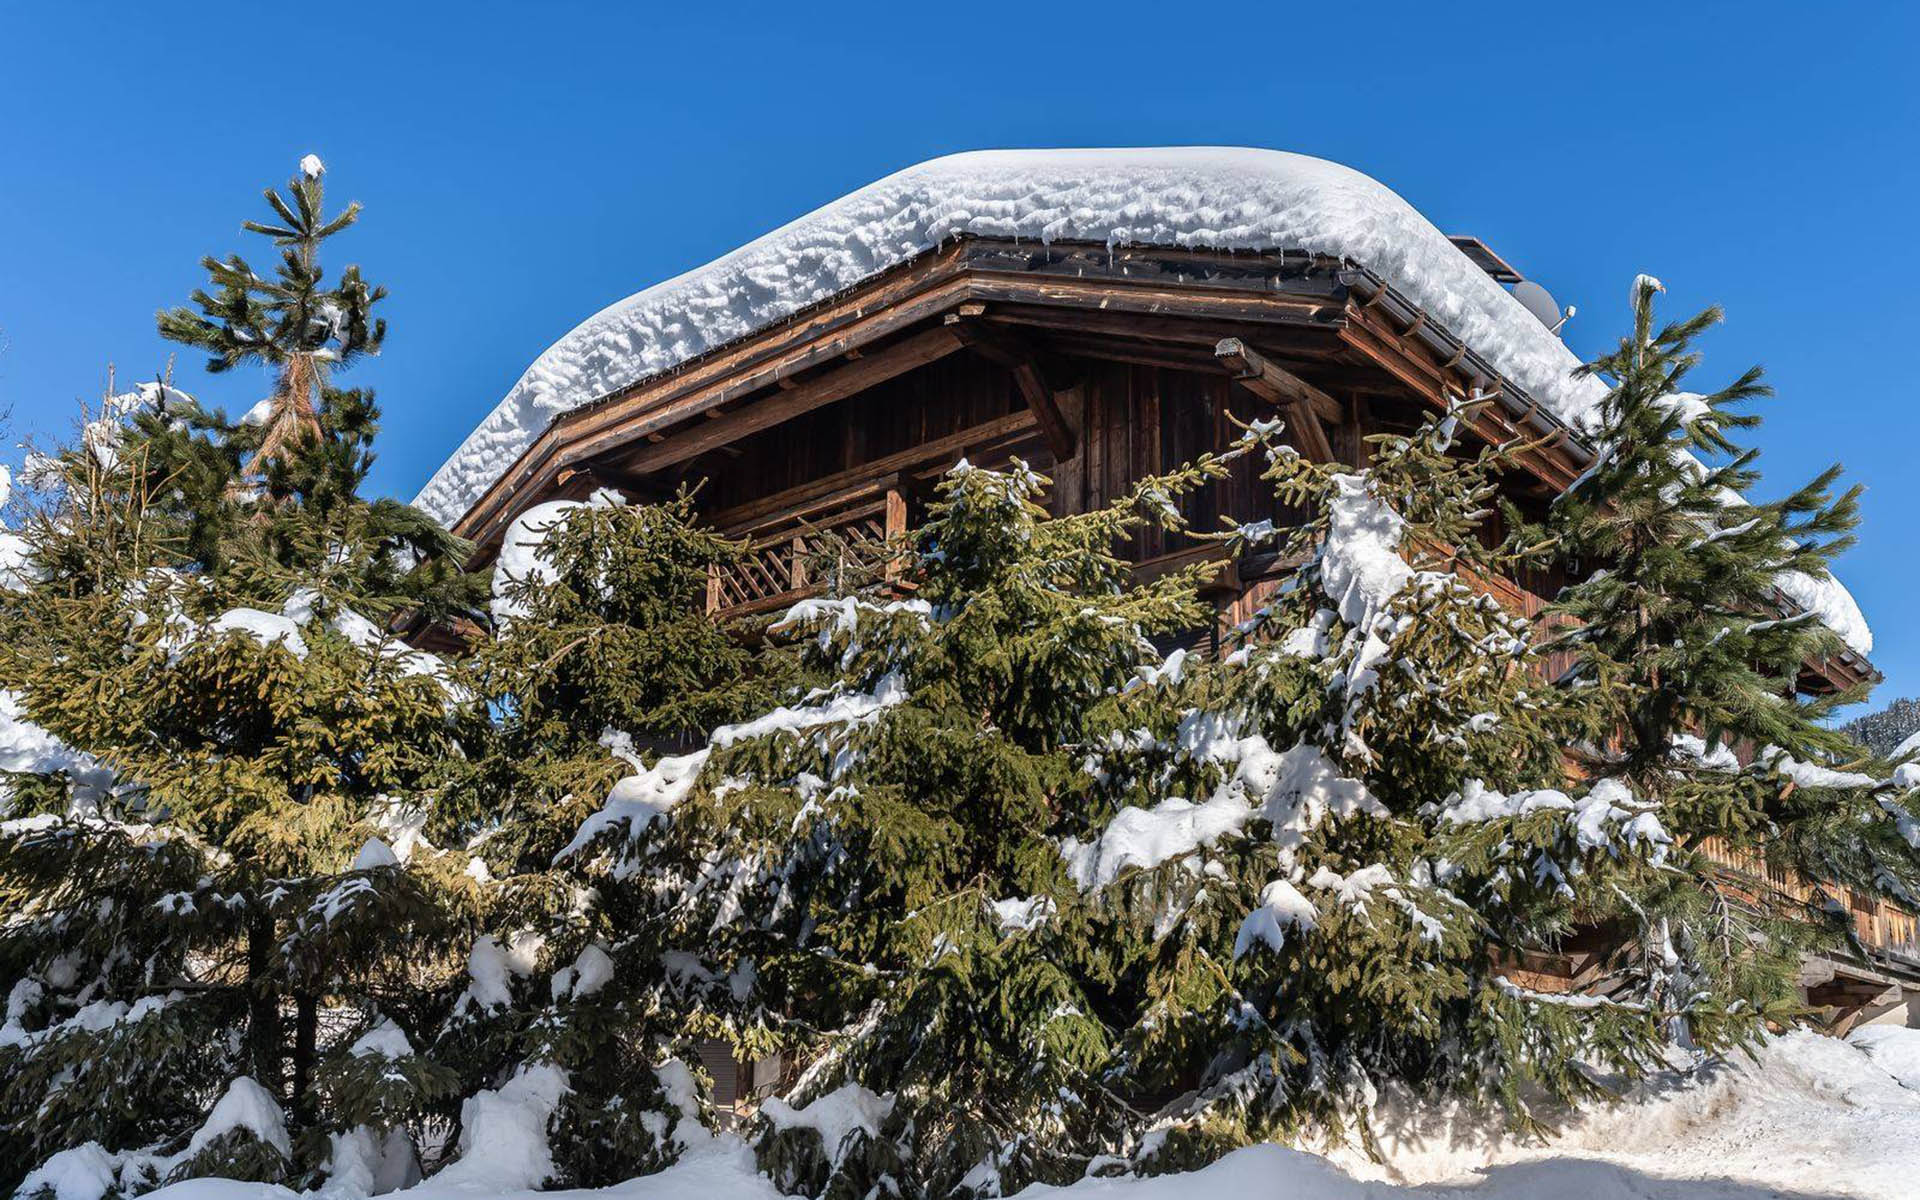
(1884, 731)
(1310, 864)
(602, 655)
(1681, 634)
(212, 961)
(600, 630)
(838, 877)
(291, 324)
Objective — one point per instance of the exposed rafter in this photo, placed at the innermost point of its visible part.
(1012, 352)
(813, 392)
(583, 480)
(1154, 307)
(1305, 405)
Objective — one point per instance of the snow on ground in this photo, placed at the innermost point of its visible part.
(1893, 1049)
(1814, 1117)
(1224, 198)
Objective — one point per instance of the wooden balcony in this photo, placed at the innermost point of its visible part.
(1883, 928)
(841, 538)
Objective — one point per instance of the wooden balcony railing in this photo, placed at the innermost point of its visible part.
(803, 551)
(1882, 927)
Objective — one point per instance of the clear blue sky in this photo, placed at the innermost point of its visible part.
(523, 166)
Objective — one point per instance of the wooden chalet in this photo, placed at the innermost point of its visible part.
(1098, 365)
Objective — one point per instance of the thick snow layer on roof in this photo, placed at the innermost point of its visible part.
(1828, 599)
(1206, 197)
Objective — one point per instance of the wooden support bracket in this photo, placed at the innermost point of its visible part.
(1304, 404)
(583, 478)
(1017, 356)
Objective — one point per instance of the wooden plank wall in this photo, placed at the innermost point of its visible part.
(942, 398)
(1142, 420)
(1134, 421)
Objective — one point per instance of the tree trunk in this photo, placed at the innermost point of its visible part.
(263, 1005)
(305, 1028)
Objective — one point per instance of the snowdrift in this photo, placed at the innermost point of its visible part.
(1810, 1117)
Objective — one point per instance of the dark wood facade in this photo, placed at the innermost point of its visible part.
(1097, 367)
(1112, 357)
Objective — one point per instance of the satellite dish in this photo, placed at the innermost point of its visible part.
(1540, 302)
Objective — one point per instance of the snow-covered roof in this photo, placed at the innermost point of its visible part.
(1202, 197)
(1199, 197)
(1829, 600)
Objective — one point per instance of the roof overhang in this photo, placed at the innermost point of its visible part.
(1291, 304)
(1170, 305)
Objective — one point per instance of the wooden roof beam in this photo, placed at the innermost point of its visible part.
(1191, 304)
(1145, 354)
(583, 479)
(1420, 371)
(1013, 353)
(1168, 327)
(1303, 403)
(875, 367)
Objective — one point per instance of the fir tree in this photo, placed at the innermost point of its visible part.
(206, 615)
(833, 879)
(1681, 632)
(291, 324)
(602, 652)
(1885, 731)
(1026, 898)
(1311, 863)
(599, 627)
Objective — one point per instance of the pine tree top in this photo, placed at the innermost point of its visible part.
(292, 323)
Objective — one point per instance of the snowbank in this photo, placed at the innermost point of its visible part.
(1829, 600)
(88, 1171)
(1813, 1117)
(1223, 198)
(1893, 1049)
(503, 1134)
